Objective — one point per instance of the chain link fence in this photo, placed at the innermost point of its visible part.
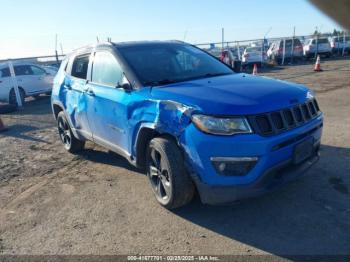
(280, 50)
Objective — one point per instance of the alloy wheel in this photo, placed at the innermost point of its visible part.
(64, 132)
(159, 176)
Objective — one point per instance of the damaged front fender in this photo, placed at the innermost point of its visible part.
(162, 117)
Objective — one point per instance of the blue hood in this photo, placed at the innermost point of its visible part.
(236, 94)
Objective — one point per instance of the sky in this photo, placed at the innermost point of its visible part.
(29, 27)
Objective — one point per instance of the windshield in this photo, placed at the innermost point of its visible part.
(161, 64)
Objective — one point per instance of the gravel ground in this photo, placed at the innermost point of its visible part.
(52, 202)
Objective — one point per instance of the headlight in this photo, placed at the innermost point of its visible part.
(221, 126)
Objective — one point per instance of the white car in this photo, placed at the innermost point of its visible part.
(340, 43)
(321, 46)
(32, 79)
(51, 69)
(254, 55)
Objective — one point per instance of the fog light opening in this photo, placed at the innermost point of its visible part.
(233, 166)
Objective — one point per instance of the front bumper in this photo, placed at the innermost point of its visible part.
(272, 169)
(272, 179)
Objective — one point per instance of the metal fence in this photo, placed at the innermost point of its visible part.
(41, 60)
(339, 45)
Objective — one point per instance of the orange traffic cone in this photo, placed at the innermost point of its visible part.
(318, 64)
(255, 70)
(2, 126)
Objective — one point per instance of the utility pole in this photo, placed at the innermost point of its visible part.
(56, 53)
(263, 45)
(223, 38)
(292, 60)
(316, 53)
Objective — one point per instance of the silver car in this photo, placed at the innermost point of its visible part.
(321, 46)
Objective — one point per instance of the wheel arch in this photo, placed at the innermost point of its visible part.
(145, 134)
(20, 88)
(56, 108)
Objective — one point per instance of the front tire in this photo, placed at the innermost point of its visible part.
(167, 174)
(70, 142)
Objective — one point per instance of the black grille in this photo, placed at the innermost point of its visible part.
(277, 120)
(264, 124)
(285, 119)
(288, 116)
(316, 105)
(298, 114)
(312, 108)
(306, 112)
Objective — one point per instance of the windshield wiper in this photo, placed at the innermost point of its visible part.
(216, 74)
(207, 76)
(161, 82)
(172, 81)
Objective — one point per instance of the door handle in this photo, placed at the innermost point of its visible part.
(67, 87)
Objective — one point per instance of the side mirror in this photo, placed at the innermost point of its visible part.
(126, 87)
(125, 84)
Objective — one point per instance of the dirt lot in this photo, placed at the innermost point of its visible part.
(96, 203)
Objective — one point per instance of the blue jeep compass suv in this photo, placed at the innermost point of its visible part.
(187, 119)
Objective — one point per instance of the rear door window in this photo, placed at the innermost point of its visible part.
(106, 70)
(23, 70)
(80, 66)
(5, 72)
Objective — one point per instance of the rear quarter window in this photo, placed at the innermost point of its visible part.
(80, 66)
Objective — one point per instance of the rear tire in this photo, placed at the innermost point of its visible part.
(70, 142)
(13, 99)
(167, 174)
